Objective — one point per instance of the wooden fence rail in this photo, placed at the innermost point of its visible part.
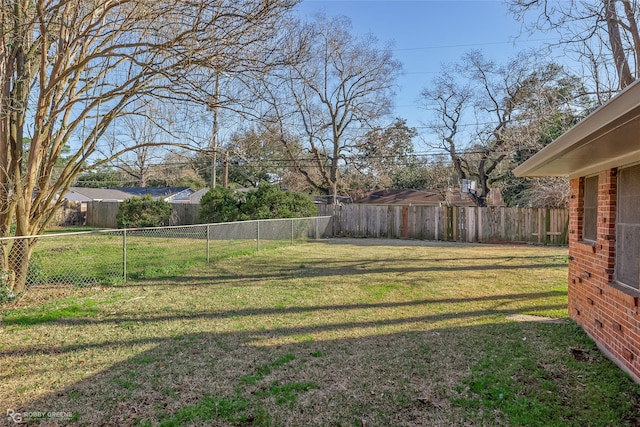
(462, 224)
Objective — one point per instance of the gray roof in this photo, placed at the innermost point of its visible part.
(402, 197)
(428, 197)
(155, 192)
(84, 194)
(197, 195)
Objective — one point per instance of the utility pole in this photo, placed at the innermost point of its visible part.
(225, 182)
(214, 137)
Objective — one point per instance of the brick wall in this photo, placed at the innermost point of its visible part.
(606, 311)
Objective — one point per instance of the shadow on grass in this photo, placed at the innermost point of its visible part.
(493, 374)
(402, 242)
(429, 361)
(269, 333)
(349, 268)
(67, 316)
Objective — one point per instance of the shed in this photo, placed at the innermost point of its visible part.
(601, 156)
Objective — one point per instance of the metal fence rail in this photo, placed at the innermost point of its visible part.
(104, 257)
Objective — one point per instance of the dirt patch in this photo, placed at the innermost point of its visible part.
(581, 355)
(530, 318)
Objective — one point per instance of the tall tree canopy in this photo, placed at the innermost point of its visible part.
(486, 112)
(65, 64)
(603, 35)
(336, 91)
(381, 155)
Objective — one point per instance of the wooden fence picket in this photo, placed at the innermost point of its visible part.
(462, 224)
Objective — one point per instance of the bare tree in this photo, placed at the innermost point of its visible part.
(256, 157)
(67, 63)
(147, 135)
(336, 91)
(545, 192)
(177, 169)
(139, 166)
(486, 112)
(603, 33)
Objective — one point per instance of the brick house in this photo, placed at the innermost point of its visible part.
(601, 156)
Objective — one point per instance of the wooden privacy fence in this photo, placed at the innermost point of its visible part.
(462, 224)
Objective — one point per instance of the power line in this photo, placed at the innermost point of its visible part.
(310, 162)
(453, 46)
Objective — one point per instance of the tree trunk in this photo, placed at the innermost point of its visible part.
(619, 58)
(19, 257)
(481, 199)
(5, 231)
(333, 189)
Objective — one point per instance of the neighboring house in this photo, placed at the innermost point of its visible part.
(196, 196)
(104, 214)
(81, 194)
(403, 197)
(427, 198)
(169, 194)
(601, 156)
(328, 200)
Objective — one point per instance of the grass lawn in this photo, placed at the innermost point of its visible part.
(330, 333)
(90, 259)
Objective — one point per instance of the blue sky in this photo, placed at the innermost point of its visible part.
(427, 33)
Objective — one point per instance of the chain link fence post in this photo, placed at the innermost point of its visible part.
(208, 242)
(111, 257)
(258, 234)
(124, 255)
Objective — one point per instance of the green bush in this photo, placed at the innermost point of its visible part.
(268, 202)
(265, 202)
(220, 205)
(143, 212)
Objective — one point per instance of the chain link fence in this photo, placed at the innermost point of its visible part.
(108, 257)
